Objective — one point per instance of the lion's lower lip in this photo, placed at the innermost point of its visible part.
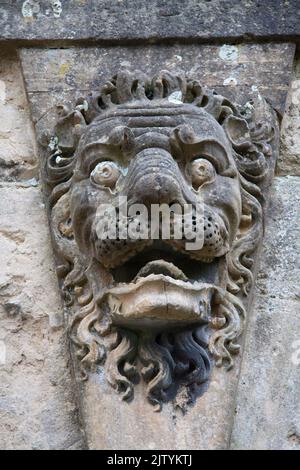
(157, 299)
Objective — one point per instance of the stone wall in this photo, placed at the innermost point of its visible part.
(38, 407)
(267, 414)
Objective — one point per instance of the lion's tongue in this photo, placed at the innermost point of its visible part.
(161, 266)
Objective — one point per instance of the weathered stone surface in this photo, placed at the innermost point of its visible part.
(48, 421)
(56, 75)
(289, 158)
(37, 408)
(136, 426)
(154, 20)
(17, 154)
(268, 406)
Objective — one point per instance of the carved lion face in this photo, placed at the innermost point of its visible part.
(167, 153)
(170, 309)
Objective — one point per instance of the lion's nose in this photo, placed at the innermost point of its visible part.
(156, 188)
(154, 178)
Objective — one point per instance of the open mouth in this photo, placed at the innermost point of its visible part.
(161, 287)
(162, 259)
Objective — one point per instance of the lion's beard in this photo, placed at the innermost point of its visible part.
(172, 364)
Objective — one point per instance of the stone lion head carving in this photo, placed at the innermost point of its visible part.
(149, 309)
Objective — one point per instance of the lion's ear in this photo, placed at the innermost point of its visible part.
(69, 128)
(237, 130)
(121, 136)
(184, 134)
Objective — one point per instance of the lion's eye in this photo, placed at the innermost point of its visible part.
(105, 174)
(201, 171)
